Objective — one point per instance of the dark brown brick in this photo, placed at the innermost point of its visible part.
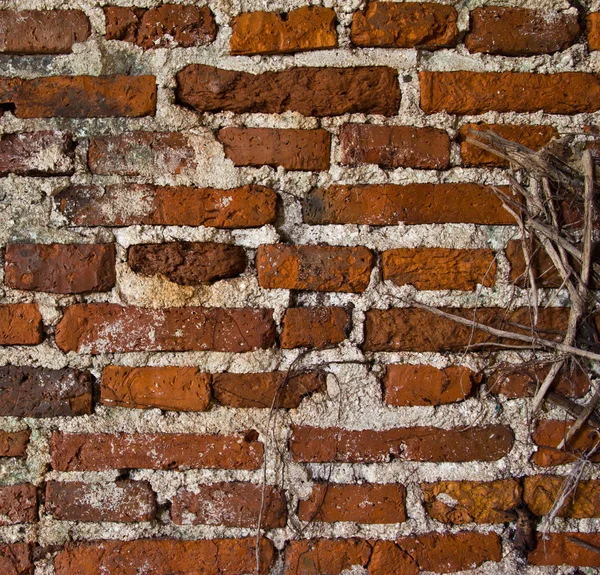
(271, 389)
(520, 31)
(309, 91)
(409, 385)
(168, 388)
(188, 263)
(105, 328)
(231, 504)
(80, 96)
(314, 327)
(366, 503)
(321, 445)
(405, 25)
(314, 268)
(124, 501)
(102, 451)
(245, 207)
(593, 30)
(18, 504)
(15, 559)
(60, 268)
(20, 324)
(395, 146)
(165, 26)
(414, 329)
(42, 31)
(389, 204)
(165, 557)
(37, 154)
(13, 443)
(290, 149)
(544, 272)
(306, 28)
(41, 392)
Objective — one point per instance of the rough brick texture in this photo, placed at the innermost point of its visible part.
(98, 452)
(406, 385)
(102, 328)
(385, 205)
(314, 268)
(244, 207)
(123, 501)
(231, 504)
(593, 30)
(314, 327)
(479, 92)
(309, 91)
(13, 444)
(18, 504)
(548, 434)
(15, 559)
(80, 96)
(36, 153)
(566, 549)
(520, 31)
(188, 263)
(20, 324)
(290, 149)
(168, 25)
(60, 268)
(306, 28)
(357, 503)
(405, 25)
(40, 392)
(439, 268)
(395, 146)
(270, 389)
(168, 388)
(541, 491)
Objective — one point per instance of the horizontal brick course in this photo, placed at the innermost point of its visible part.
(314, 327)
(37, 153)
(540, 492)
(565, 549)
(549, 433)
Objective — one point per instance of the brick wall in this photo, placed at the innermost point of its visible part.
(215, 223)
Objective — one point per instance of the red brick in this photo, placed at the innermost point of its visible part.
(533, 137)
(548, 434)
(42, 392)
(388, 559)
(276, 389)
(60, 268)
(80, 96)
(389, 204)
(325, 556)
(306, 28)
(519, 31)
(231, 504)
(124, 501)
(141, 153)
(13, 443)
(42, 31)
(290, 149)
(472, 93)
(37, 154)
(461, 502)
(165, 26)
(309, 91)
(440, 268)
(18, 504)
(314, 268)
(321, 445)
(544, 272)
(101, 451)
(165, 557)
(245, 207)
(593, 30)
(446, 553)
(188, 263)
(314, 327)
(105, 328)
(20, 324)
(395, 146)
(413, 329)
(366, 503)
(167, 388)
(563, 549)
(541, 491)
(521, 380)
(409, 385)
(15, 559)
(405, 25)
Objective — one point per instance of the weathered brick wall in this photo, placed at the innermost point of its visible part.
(207, 211)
